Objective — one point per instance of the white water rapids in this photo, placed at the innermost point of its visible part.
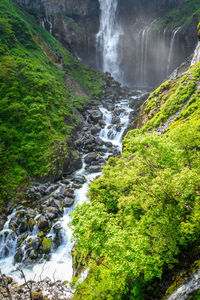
(59, 267)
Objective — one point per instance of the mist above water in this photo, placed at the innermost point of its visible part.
(130, 46)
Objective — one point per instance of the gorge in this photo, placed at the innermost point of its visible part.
(133, 232)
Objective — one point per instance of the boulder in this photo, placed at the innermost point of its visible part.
(95, 115)
(94, 169)
(51, 212)
(67, 202)
(43, 223)
(90, 157)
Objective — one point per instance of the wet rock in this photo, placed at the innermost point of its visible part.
(59, 232)
(19, 223)
(18, 255)
(67, 202)
(95, 129)
(50, 189)
(98, 141)
(33, 243)
(115, 120)
(102, 123)
(43, 223)
(75, 163)
(79, 179)
(56, 204)
(108, 144)
(94, 169)
(31, 224)
(95, 115)
(90, 157)
(51, 212)
(46, 245)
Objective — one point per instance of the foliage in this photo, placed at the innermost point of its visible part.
(144, 210)
(180, 16)
(38, 111)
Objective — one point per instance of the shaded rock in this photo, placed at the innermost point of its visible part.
(67, 202)
(94, 169)
(95, 115)
(90, 157)
(51, 212)
(80, 179)
(43, 223)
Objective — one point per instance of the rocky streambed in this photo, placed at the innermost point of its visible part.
(36, 240)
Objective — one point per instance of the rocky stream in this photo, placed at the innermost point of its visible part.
(35, 242)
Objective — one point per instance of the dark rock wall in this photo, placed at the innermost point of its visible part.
(75, 24)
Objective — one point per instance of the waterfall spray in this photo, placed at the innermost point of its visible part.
(196, 57)
(170, 57)
(107, 39)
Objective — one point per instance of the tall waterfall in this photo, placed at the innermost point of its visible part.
(143, 54)
(107, 38)
(170, 57)
(196, 57)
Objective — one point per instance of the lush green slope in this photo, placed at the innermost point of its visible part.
(145, 209)
(182, 15)
(37, 110)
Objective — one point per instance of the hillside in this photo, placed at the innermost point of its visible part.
(43, 89)
(143, 217)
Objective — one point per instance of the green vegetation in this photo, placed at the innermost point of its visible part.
(182, 15)
(145, 209)
(38, 108)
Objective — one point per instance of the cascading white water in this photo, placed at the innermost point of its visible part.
(184, 291)
(59, 267)
(170, 57)
(196, 57)
(107, 38)
(143, 53)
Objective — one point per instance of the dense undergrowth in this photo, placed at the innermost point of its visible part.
(145, 209)
(38, 111)
(182, 15)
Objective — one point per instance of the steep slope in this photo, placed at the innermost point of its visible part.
(143, 215)
(43, 88)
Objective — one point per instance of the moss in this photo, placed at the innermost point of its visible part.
(37, 296)
(180, 16)
(31, 223)
(22, 239)
(38, 109)
(46, 245)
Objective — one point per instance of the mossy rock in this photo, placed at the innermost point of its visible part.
(37, 296)
(31, 223)
(46, 245)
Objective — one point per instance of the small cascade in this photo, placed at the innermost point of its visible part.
(8, 239)
(196, 57)
(142, 53)
(107, 39)
(184, 291)
(172, 43)
(20, 245)
(47, 24)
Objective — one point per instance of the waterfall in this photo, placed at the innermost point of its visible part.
(170, 57)
(196, 57)
(184, 291)
(107, 38)
(143, 59)
(143, 50)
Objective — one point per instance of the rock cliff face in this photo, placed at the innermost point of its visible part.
(145, 47)
(147, 54)
(73, 22)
